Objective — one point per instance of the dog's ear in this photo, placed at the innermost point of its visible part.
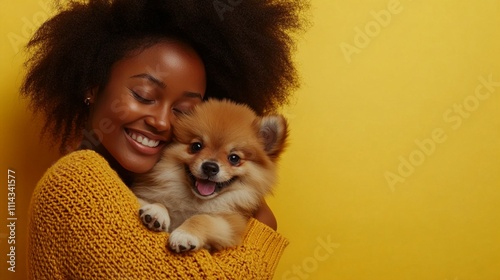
(273, 133)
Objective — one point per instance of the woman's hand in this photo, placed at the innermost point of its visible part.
(265, 215)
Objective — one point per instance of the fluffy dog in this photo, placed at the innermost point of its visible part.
(213, 177)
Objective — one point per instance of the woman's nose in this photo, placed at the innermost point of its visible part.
(160, 120)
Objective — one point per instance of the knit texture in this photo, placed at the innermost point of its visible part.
(84, 224)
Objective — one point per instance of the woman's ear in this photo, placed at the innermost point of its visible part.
(90, 95)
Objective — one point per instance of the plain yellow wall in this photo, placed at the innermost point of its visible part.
(393, 170)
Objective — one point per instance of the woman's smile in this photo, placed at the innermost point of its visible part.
(144, 144)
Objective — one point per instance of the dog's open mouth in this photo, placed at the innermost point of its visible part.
(206, 187)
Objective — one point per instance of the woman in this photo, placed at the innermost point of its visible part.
(110, 76)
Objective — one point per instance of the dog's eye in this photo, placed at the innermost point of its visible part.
(196, 147)
(234, 159)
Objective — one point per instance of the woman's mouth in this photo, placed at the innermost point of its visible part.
(143, 140)
(147, 145)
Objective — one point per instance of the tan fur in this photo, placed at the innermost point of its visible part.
(217, 220)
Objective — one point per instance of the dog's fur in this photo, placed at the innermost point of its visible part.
(195, 191)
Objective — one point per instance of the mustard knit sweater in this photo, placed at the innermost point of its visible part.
(84, 225)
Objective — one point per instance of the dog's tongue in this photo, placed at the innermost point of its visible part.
(205, 187)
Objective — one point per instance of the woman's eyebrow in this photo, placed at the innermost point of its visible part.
(195, 95)
(161, 84)
(150, 78)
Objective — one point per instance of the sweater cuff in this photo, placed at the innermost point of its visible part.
(271, 243)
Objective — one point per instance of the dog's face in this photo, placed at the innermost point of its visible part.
(226, 149)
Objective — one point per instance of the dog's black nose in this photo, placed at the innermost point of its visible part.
(210, 168)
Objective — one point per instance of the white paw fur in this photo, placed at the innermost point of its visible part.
(182, 241)
(155, 217)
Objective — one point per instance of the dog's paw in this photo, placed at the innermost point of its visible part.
(183, 241)
(155, 217)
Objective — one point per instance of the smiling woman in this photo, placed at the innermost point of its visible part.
(111, 87)
(149, 100)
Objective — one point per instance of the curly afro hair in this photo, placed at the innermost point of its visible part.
(246, 46)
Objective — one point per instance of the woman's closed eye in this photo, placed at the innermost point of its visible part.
(184, 107)
(179, 112)
(140, 98)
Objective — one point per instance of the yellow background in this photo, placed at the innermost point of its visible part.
(389, 105)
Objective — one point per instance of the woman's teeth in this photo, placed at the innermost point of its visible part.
(144, 140)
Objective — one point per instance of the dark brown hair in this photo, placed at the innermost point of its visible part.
(246, 46)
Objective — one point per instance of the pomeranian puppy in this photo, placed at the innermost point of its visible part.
(213, 177)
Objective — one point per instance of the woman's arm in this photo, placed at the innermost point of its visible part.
(84, 225)
(265, 215)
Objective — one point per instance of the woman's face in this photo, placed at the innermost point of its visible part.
(131, 117)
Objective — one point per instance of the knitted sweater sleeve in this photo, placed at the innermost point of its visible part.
(84, 225)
